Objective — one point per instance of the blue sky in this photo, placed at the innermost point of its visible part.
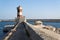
(37, 9)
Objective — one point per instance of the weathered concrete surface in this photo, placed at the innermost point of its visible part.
(32, 34)
(20, 33)
(43, 33)
(57, 30)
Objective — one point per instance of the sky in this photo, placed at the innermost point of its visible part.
(33, 9)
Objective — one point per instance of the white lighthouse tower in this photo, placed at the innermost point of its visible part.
(19, 12)
(20, 17)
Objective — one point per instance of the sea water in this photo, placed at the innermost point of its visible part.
(2, 24)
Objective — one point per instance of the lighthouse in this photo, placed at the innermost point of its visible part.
(19, 12)
(20, 17)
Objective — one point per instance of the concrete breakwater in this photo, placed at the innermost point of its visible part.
(43, 33)
(26, 31)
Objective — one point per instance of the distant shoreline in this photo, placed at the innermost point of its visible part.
(44, 20)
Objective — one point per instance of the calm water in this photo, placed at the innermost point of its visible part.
(2, 24)
(55, 24)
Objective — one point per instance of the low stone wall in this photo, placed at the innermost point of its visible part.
(32, 34)
(37, 33)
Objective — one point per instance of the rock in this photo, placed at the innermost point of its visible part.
(38, 23)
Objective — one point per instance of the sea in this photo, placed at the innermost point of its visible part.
(2, 24)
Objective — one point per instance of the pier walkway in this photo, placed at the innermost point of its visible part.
(18, 33)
